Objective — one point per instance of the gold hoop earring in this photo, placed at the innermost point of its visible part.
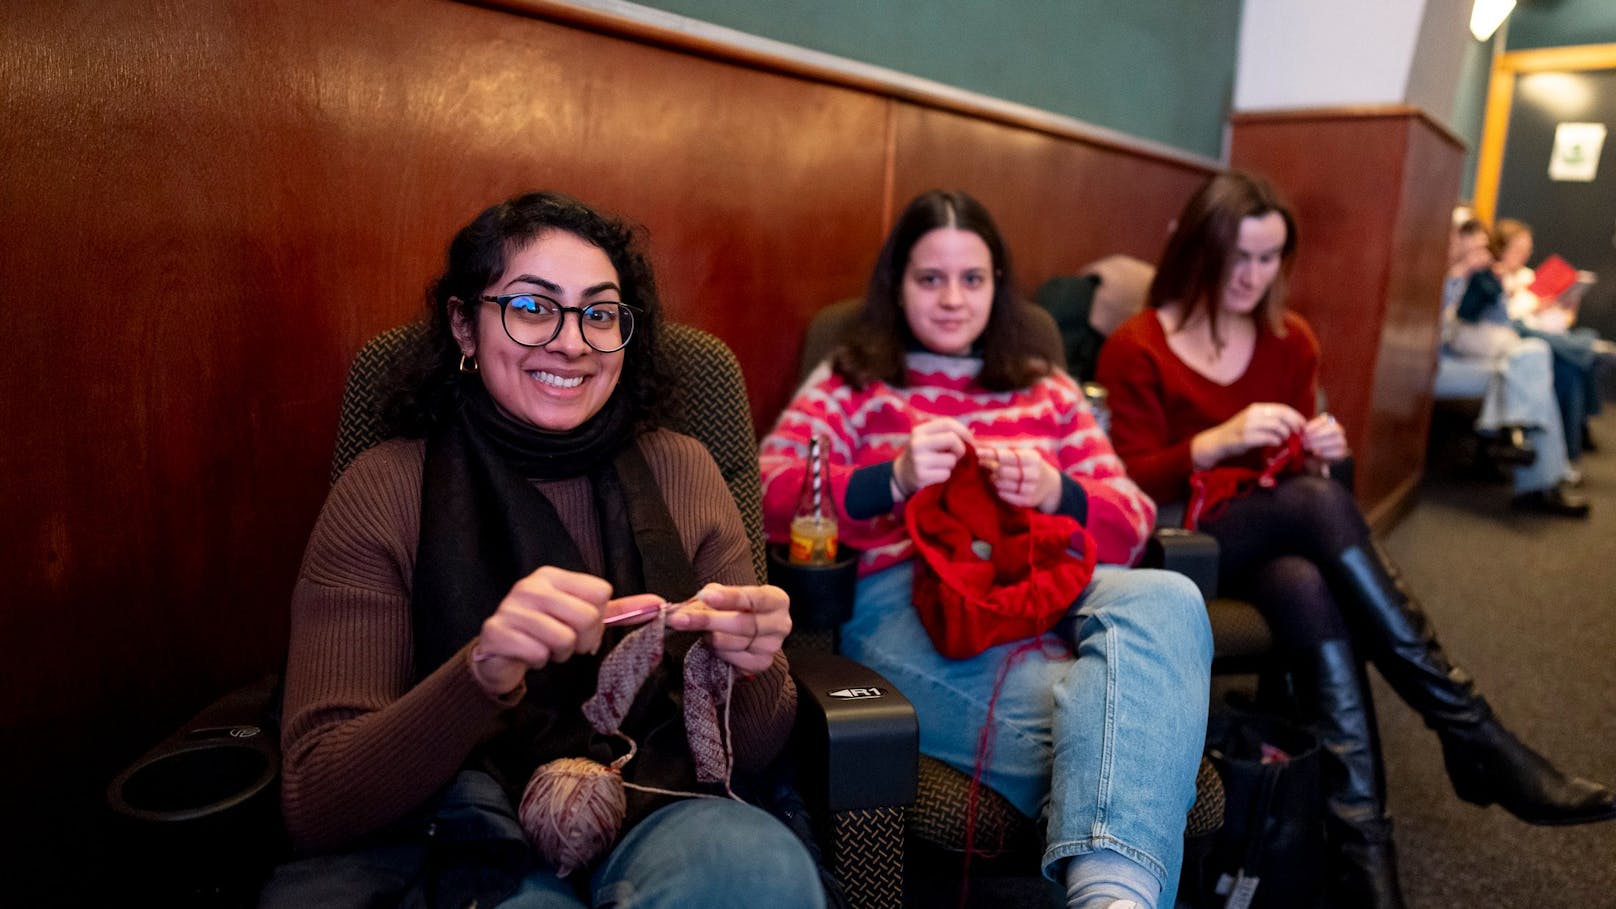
(468, 363)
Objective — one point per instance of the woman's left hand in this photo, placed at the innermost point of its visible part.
(744, 625)
(1324, 438)
(1022, 477)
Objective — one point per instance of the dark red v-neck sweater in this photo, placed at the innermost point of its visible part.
(1158, 403)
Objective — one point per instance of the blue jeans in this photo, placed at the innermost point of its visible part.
(1576, 379)
(1105, 745)
(697, 852)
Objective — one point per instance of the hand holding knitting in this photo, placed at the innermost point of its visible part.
(1022, 477)
(935, 446)
(545, 618)
(1324, 438)
(745, 625)
(1260, 425)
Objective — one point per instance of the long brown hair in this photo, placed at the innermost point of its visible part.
(876, 347)
(1195, 264)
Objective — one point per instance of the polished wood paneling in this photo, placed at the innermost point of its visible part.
(209, 207)
(1373, 191)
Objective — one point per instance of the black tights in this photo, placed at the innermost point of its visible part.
(1275, 546)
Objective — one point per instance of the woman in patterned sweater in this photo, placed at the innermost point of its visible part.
(938, 364)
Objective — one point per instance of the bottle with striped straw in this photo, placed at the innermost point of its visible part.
(813, 527)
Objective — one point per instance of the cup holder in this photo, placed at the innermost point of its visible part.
(821, 595)
(208, 772)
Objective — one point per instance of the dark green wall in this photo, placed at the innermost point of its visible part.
(1157, 69)
(1555, 23)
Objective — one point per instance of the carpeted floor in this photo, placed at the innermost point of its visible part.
(1528, 605)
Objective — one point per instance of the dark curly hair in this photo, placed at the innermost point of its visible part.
(875, 350)
(424, 386)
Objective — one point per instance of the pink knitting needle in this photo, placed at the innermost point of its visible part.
(632, 617)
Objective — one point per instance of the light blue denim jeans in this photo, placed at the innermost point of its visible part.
(697, 852)
(1105, 746)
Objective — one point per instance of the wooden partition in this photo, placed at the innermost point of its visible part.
(208, 207)
(1373, 190)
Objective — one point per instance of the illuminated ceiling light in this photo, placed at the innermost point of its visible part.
(1487, 15)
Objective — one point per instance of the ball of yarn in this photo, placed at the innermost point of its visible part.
(572, 810)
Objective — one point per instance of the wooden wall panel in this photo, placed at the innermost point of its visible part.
(1373, 190)
(1060, 204)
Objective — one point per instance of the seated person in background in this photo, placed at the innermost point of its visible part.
(1106, 743)
(1089, 305)
(1511, 243)
(448, 622)
(1216, 373)
(1578, 352)
(1520, 413)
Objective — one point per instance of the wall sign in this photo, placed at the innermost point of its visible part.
(1576, 151)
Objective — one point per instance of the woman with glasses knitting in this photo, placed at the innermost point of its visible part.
(460, 723)
(937, 399)
(1212, 389)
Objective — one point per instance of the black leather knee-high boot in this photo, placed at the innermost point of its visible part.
(1331, 690)
(1486, 763)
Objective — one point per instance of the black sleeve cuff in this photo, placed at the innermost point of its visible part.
(1074, 502)
(869, 492)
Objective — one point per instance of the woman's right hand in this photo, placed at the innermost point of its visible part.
(1258, 426)
(935, 446)
(545, 618)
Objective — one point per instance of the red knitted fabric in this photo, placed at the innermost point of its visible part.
(1027, 576)
(1211, 490)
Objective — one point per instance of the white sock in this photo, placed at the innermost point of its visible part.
(1105, 879)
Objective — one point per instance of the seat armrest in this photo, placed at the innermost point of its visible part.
(857, 739)
(224, 760)
(1188, 552)
(1345, 472)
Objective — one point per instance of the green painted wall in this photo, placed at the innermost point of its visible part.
(1157, 69)
(1555, 23)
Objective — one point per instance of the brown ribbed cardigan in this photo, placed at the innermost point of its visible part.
(361, 745)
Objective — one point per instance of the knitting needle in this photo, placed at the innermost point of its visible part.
(644, 612)
(621, 618)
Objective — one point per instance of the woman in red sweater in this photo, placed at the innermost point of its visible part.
(1215, 373)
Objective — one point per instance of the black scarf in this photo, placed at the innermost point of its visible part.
(484, 526)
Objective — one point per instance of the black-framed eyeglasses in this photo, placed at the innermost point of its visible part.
(534, 320)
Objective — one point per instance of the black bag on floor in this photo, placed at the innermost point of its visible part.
(1271, 850)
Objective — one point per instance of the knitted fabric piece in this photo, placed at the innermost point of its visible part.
(572, 809)
(707, 689)
(622, 673)
(990, 572)
(1212, 489)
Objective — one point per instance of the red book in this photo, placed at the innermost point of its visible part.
(1553, 277)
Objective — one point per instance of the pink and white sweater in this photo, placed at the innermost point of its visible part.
(872, 426)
